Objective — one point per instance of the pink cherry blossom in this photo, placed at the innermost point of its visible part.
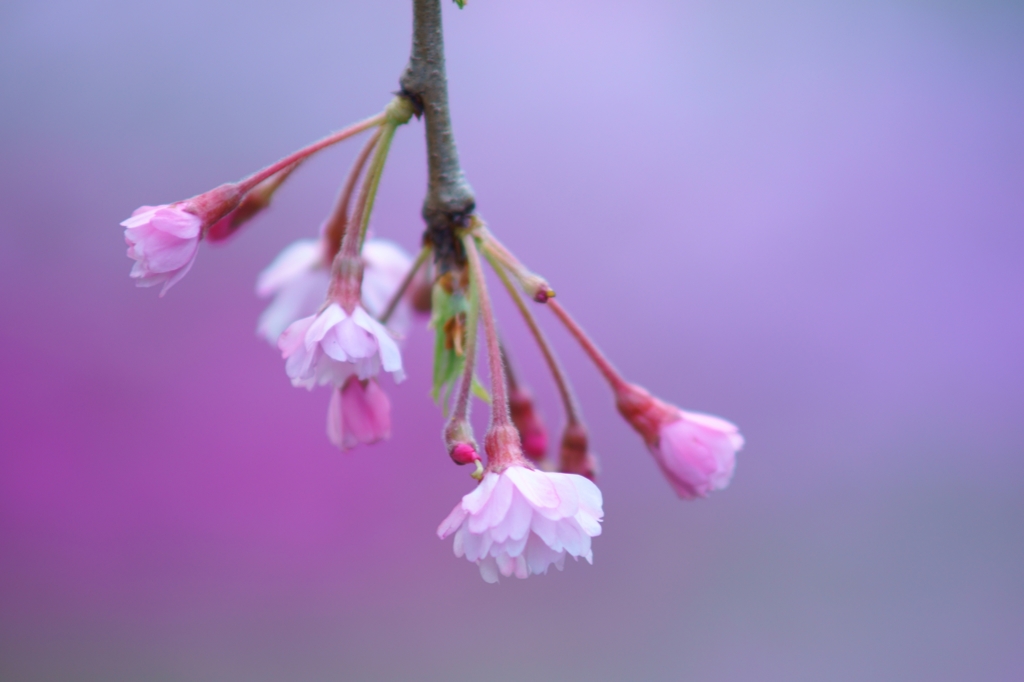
(164, 241)
(697, 453)
(360, 412)
(385, 265)
(522, 520)
(298, 280)
(332, 345)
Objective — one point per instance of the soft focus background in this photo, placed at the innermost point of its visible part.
(805, 217)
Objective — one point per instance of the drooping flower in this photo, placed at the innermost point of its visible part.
(695, 451)
(332, 345)
(385, 265)
(163, 241)
(521, 521)
(360, 412)
(298, 280)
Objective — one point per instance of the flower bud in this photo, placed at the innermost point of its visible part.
(458, 438)
(574, 457)
(532, 433)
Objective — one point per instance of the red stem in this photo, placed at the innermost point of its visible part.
(338, 223)
(499, 391)
(591, 349)
(259, 176)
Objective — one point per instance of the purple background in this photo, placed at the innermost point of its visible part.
(804, 217)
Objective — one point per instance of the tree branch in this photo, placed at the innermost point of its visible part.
(449, 201)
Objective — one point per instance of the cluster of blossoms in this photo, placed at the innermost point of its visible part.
(340, 306)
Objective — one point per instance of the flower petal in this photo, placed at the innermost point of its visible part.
(535, 487)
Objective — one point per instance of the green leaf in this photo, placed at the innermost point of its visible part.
(461, 3)
(479, 391)
(447, 363)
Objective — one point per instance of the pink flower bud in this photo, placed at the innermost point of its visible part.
(531, 430)
(458, 438)
(360, 412)
(464, 453)
(575, 457)
(695, 451)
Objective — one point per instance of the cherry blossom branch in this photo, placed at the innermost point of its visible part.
(400, 292)
(589, 347)
(449, 201)
(572, 411)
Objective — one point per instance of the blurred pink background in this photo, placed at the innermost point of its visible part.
(804, 217)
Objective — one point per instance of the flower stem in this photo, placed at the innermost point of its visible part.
(338, 223)
(259, 176)
(393, 303)
(352, 241)
(590, 348)
(499, 391)
(461, 411)
(572, 411)
(373, 177)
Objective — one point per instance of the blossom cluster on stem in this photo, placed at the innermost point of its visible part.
(341, 306)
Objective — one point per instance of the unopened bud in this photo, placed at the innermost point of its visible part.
(532, 433)
(575, 456)
(458, 438)
(464, 453)
(537, 287)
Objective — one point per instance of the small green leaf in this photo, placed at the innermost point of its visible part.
(479, 391)
(461, 3)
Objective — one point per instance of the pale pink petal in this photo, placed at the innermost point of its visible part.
(348, 341)
(477, 546)
(335, 420)
(474, 501)
(452, 522)
(297, 259)
(535, 486)
(323, 323)
(291, 340)
(299, 298)
(505, 564)
(521, 570)
(493, 512)
(489, 570)
(390, 355)
(366, 412)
